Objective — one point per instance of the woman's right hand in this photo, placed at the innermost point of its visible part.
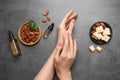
(64, 57)
(67, 24)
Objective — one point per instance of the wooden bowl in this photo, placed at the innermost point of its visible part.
(31, 42)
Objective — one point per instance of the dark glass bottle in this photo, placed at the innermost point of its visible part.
(14, 44)
(48, 31)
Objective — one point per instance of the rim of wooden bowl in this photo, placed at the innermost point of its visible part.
(31, 43)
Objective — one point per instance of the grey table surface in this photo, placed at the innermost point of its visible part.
(88, 66)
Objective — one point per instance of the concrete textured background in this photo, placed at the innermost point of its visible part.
(88, 66)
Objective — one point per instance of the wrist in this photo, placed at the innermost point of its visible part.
(64, 75)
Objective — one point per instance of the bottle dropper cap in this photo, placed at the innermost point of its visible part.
(51, 27)
(11, 36)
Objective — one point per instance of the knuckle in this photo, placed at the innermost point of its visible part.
(63, 56)
(54, 57)
(71, 57)
(58, 47)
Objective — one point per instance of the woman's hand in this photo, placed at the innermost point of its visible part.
(64, 57)
(47, 71)
(67, 24)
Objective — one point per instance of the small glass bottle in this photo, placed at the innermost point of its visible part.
(48, 31)
(14, 45)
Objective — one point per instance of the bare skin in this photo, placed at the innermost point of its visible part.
(67, 24)
(64, 57)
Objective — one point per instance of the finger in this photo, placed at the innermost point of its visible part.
(71, 25)
(60, 35)
(58, 49)
(71, 44)
(74, 16)
(62, 26)
(65, 47)
(75, 47)
(67, 17)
